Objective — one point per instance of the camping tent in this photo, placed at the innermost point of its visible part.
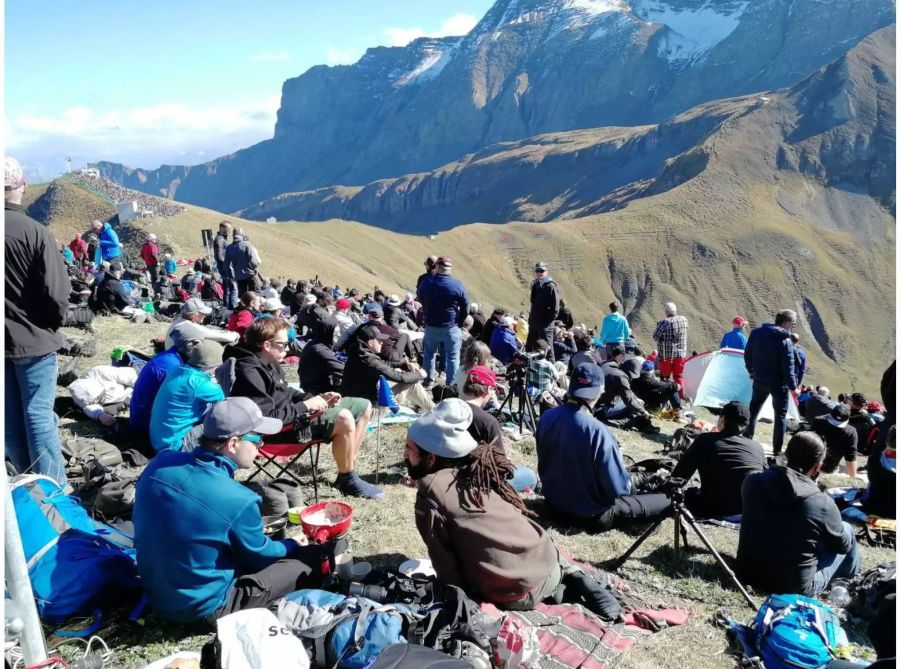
(716, 377)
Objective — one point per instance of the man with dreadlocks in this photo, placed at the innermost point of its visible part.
(479, 534)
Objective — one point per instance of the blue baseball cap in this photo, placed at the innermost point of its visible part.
(586, 382)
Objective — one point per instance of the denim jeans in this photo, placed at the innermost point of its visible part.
(780, 395)
(32, 434)
(832, 565)
(451, 339)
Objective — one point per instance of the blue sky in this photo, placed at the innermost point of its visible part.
(151, 82)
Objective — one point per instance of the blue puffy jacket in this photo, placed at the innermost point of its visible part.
(148, 384)
(110, 247)
(504, 344)
(769, 356)
(444, 299)
(579, 463)
(196, 530)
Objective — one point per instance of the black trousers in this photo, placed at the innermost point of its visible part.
(536, 332)
(629, 510)
(258, 590)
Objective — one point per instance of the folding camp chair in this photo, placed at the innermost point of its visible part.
(270, 454)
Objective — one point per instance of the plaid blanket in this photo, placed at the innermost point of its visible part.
(568, 636)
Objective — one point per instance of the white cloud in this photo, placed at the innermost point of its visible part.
(139, 137)
(336, 56)
(458, 24)
(276, 57)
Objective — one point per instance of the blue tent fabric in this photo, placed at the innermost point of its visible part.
(726, 380)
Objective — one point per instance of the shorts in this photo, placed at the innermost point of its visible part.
(323, 426)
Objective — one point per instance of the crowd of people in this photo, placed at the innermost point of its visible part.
(161, 207)
(217, 390)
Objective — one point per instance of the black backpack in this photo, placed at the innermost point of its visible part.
(411, 656)
(680, 441)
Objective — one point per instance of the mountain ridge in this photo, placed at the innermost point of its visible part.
(529, 67)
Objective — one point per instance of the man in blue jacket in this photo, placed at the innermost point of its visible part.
(735, 338)
(198, 533)
(580, 466)
(769, 358)
(110, 246)
(504, 344)
(446, 306)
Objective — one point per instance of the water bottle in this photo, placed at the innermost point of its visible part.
(839, 597)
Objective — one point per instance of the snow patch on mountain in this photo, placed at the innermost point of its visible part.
(594, 7)
(692, 31)
(434, 60)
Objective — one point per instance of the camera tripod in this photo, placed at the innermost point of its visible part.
(518, 389)
(683, 518)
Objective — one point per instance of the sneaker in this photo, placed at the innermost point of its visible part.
(351, 485)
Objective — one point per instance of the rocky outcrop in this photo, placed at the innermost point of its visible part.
(529, 67)
(835, 128)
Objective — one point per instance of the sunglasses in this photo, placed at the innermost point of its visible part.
(252, 438)
(279, 344)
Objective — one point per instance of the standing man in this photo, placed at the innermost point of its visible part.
(614, 331)
(735, 338)
(150, 254)
(110, 246)
(671, 340)
(769, 358)
(37, 297)
(544, 309)
(242, 261)
(446, 306)
(220, 245)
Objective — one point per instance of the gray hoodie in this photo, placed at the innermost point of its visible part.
(787, 523)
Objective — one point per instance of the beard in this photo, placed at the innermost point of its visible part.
(417, 472)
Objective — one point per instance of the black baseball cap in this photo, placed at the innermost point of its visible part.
(370, 332)
(736, 413)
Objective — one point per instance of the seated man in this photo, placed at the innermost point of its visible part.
(184, 396)
(504, 343)
(201, 550)
(618, 401)
(792, 537)
(723, 459)
(478, 390)
(478, 532)
(861, 421)
(111, 294)
(840, 439)
(364, 365)
(194, 311)
(320, 369)
(152, 375)
(818, 404)
(258, 375)
(580, 465)
(542, 375)
(653, 391)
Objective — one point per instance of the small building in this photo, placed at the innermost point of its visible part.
(127, 211)
(90, 172)
(271, 220)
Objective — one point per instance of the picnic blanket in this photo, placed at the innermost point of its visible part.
(563, 636)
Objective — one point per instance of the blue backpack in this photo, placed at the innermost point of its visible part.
(789, 632)
(74, 565)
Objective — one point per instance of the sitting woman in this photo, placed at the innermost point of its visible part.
(473, 354)
(243, 317)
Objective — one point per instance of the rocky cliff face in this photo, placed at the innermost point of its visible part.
(529, 67)
(836, 128)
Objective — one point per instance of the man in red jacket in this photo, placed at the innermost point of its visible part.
(150, 253)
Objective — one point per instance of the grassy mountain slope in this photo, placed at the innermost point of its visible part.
(714, 257)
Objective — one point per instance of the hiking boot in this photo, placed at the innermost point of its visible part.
(351, 485)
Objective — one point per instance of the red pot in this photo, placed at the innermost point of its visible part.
(340, 516)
